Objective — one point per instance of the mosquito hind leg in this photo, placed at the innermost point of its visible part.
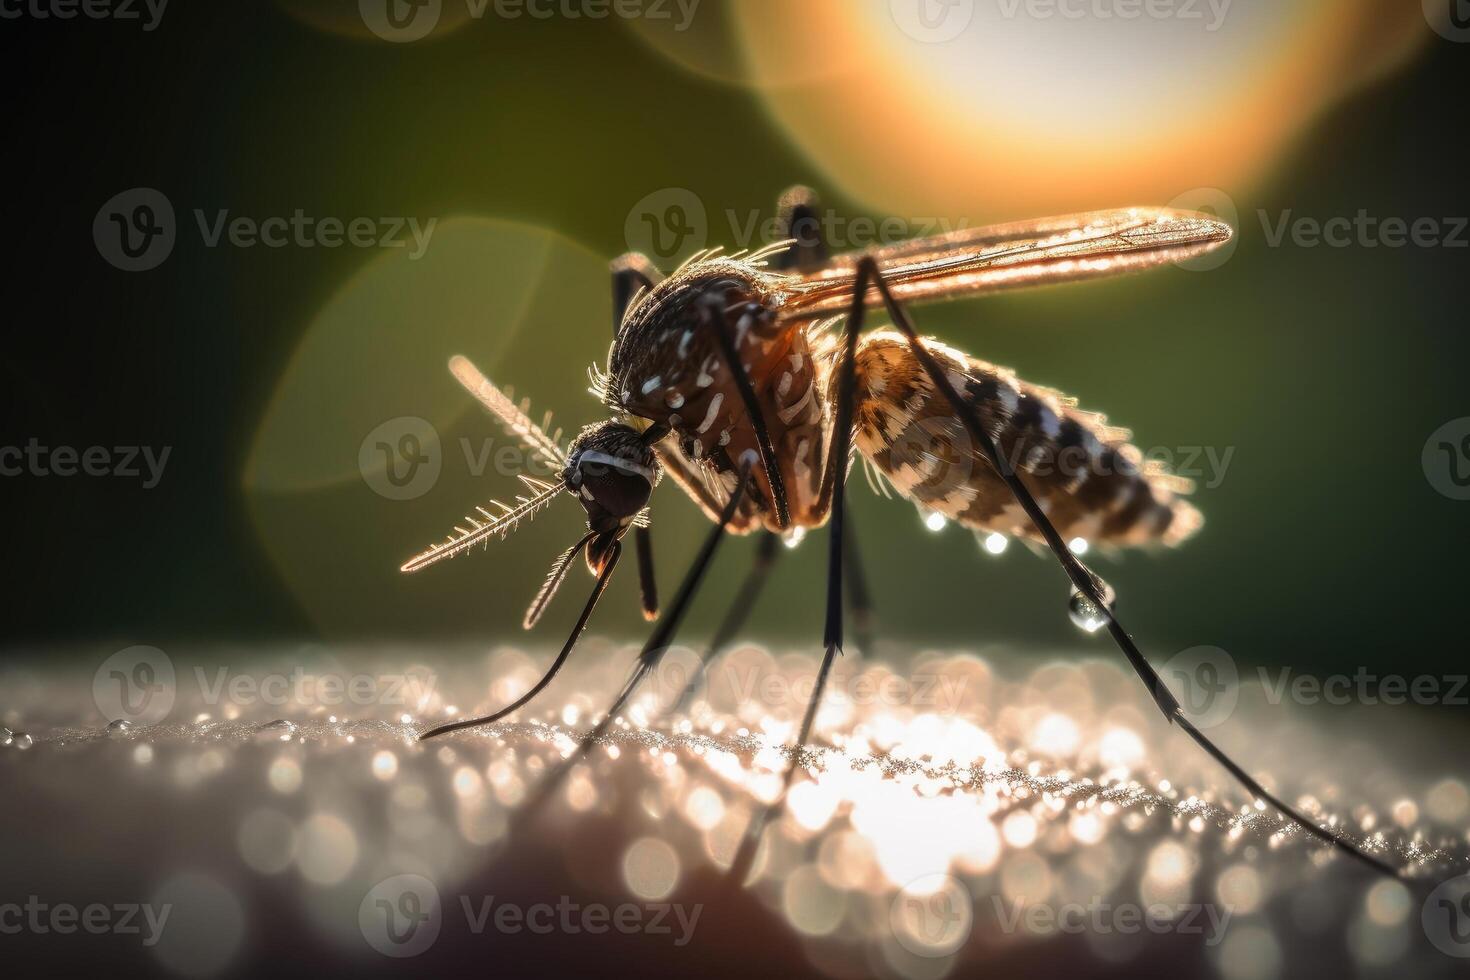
(1083, 580)
(836, 480)
(859, 595)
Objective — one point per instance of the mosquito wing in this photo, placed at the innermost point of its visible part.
(974, 261)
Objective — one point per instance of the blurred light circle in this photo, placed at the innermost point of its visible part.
(971, 110)
(326, 849)
(1447, 801)
(1239, 889)
(704, 807)
(284, 775)
(267, 840)
(204, 926)
(1387, 903)
(1249, 953)
(812, 906)
(651, 868)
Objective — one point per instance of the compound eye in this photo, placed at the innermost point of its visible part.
(621, 486)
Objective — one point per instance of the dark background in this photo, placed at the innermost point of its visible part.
(1325, 547)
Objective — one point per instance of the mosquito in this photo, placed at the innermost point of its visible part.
(750, 381)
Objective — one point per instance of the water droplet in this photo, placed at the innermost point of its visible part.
(934, 521)
(21, 740)
(793, 537)
(995, 543)
(1078, 546)
(120, 726)
(1084, 613)
(279, 730)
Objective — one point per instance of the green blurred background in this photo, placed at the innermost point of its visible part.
(1323, 369)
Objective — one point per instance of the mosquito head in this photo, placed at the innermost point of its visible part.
(612, 470)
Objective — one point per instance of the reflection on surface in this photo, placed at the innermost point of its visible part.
(957, 810)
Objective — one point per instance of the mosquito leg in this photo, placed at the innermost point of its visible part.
(651, 654)
(766, 551)
(859, 596)
(1082, 579)
(631, 272)
(712, 310)
(836, 536)
(647, 584)
(798, 218)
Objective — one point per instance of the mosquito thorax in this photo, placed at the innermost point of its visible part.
(612, 472)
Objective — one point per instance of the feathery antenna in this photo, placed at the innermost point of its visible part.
(514, 417)
(487, 524)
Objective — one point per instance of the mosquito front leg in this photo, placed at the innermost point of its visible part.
(1082, 579)
(712, 314)
(631, 272)
(650, 655)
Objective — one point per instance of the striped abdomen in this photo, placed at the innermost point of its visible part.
(1091, 483)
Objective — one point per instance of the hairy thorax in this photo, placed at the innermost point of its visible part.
(667, 366)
